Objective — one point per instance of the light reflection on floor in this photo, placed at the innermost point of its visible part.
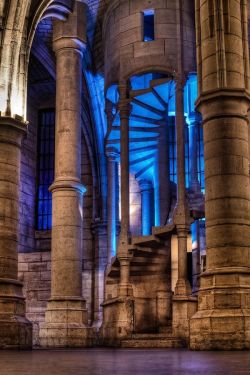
(123, 362)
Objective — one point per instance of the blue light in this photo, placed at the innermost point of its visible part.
(146, 210)
(190, 95)
(112, 94)
(148, 25)
(153, 104)
(143, 81)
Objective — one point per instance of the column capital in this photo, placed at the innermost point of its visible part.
(112, 154)
(194, 118)
(13, 130)
(145, 185)
(67, 42)
(67, 184)
(72, 32)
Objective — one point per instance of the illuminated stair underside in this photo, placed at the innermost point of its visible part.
(150, 109)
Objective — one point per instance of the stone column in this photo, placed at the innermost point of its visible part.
(196, 257)
(99, 230)
(15, 329)
(146, 220)
(125, 288)
(66, 315)
(112, 201)
(249, 138)
(193, 129)
(162, 180)
(181, 215)
(223, 317)
(184, 305)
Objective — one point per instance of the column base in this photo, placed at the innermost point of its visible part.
(225, 329)
(118, 321)
(183, 309)
(15, 332)
(66, 335)
(15, 329)
(182, 288)
(66, 325)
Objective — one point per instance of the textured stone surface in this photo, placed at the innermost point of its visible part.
(222, 320)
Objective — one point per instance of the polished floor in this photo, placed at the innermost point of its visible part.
(123, 362)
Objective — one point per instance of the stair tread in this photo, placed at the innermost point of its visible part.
(148, 241)
(163, 232)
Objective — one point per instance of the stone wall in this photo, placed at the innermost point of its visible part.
(34, 272)
(125, 51)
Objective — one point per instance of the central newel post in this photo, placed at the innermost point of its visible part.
(125, 288)
(184, 304)
(118, 311)
(66, 314)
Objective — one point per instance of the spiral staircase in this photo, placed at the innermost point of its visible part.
(150, 108)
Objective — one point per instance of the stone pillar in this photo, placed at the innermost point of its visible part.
(125, 288)
(193, 129)
(249, 138)
(162, 180)
(184, 305)
(66, 315)
(223, 317)
(15, 329)
(99, 230)
(112, 156)
(146, 220)
(196, 257)
(181, 215)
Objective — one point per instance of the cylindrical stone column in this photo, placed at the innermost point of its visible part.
(162, 180)
(181, 217)
(66, 308)
(125, 288)
(15, 329)
(196, 257)
(193, 129)
(67, 189)
(146, 209)
(124, 108)
(112, 202)
(223, 317)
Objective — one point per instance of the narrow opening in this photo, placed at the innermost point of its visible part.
(45, 168)
(148, 25)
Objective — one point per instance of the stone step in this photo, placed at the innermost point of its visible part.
(148, 252)
(139, 260)
(149, 336)
(149, 342)
(141, 270)
(147, 241)
(164, 232)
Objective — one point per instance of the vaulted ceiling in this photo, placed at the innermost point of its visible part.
(95, 12)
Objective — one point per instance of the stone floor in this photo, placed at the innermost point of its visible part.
(123, 362)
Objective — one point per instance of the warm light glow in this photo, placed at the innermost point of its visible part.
(17, 104)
